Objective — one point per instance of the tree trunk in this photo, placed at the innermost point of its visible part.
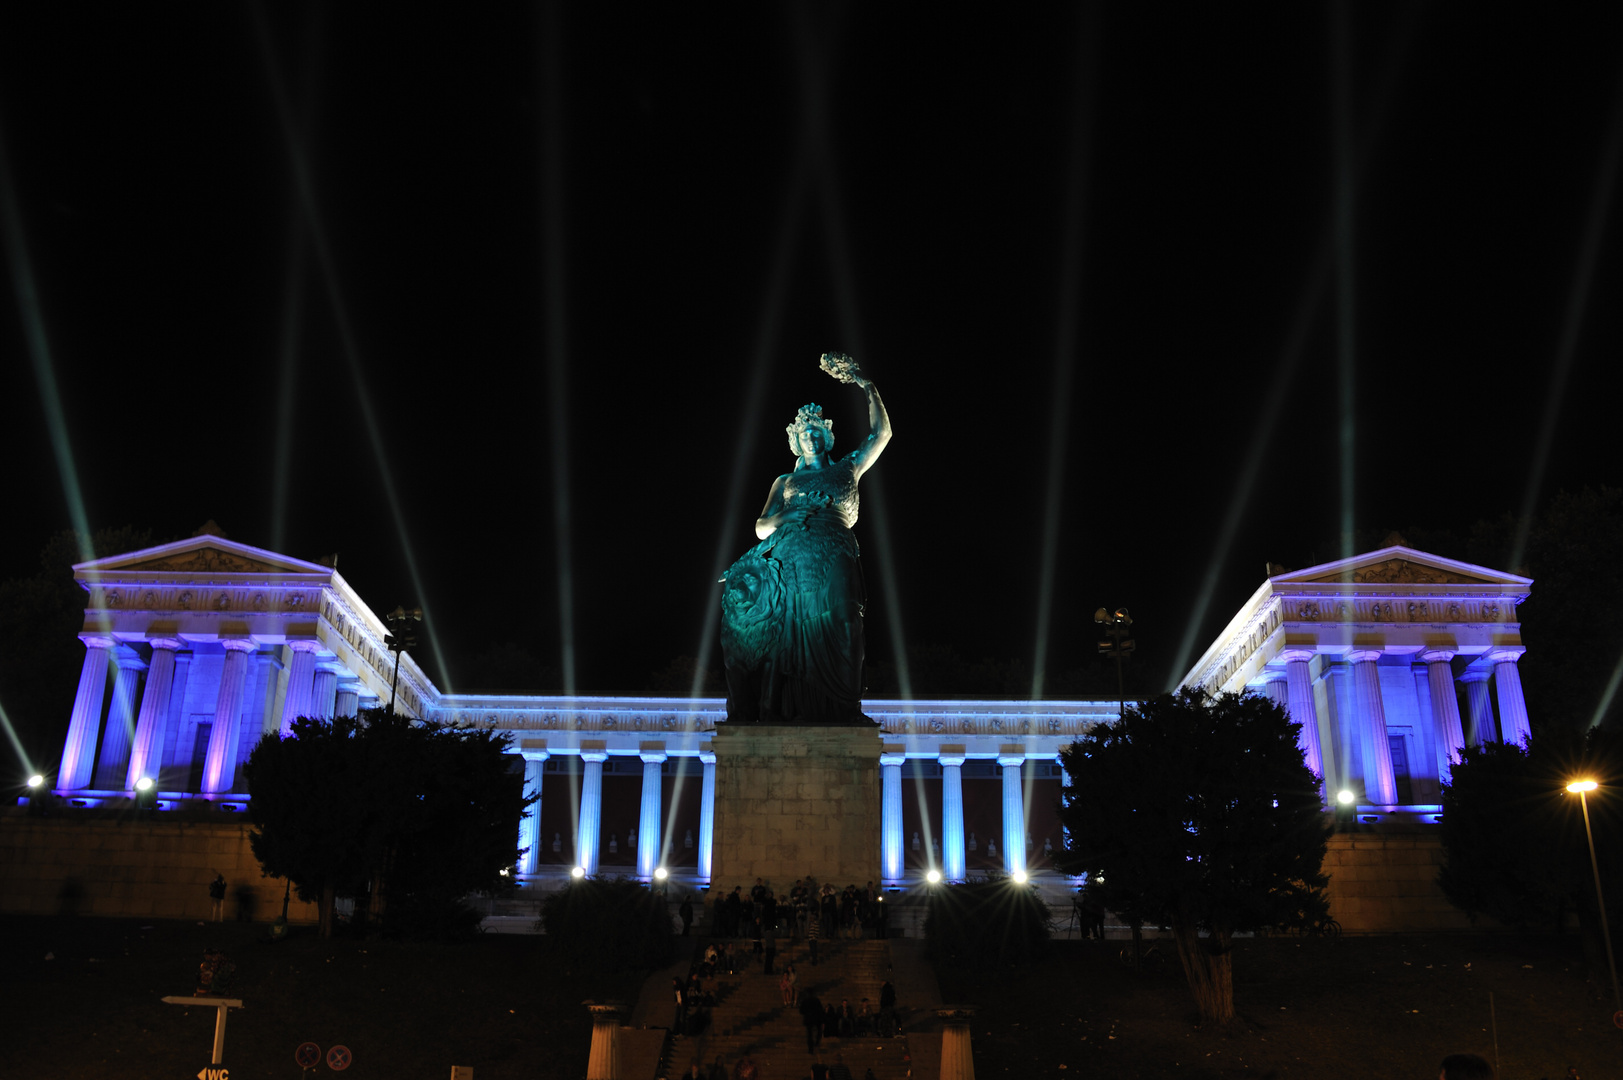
(1208, 965)
(329, 897)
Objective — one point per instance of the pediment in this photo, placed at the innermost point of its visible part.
(201, 555)
(1400, 566)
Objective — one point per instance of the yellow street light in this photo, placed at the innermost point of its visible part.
(1582, 788)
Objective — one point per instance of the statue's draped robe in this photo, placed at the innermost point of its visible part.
(791, 628)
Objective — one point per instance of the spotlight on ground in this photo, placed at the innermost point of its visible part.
(933, 877)
(661, 874)
(144, 784)
(1345, 797)
(504, 872)
(578, 872)
(36, 781)
(1019, 877)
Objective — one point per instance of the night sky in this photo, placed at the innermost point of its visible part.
(669, 202)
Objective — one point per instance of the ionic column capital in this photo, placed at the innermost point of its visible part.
(892, 757)
(172, 644)
(304, 644)
(598, 756)
(652, 753)
(950, 755)
(1011, 760)
(708, 757)
(1474, 675)
(97, 641)
(1438, 656)
(1506, 655)
(1297, 654)
(1363, 656)
(243, 645)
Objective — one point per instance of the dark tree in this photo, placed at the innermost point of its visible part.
(1514, 839)
(415, 815)
(1200, 815)
(986, 924)
(609, 924)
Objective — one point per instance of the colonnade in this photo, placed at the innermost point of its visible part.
(1364, 735)
(650, 823)
(137, 720)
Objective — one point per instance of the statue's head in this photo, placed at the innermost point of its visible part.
(810, 433)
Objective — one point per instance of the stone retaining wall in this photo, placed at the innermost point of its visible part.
(144, 869)
(1384, 882)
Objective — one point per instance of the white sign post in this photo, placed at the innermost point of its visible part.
(223, 1005)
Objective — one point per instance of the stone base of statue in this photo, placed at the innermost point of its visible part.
(793, 800)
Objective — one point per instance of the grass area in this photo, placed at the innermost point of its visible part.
(405, 1010)
(1359, 1007)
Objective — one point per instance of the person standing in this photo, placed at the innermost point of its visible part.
(685, 912)
(811, 1015)
(887, 1009)
(217, 896)
(814, 928)
(794, 983)
(679, 1025)
(769, 936)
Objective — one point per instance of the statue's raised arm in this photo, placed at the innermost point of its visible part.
(791, 627)
(845, 369)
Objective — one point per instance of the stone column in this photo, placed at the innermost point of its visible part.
(323, 692)
(707, 814)
(1513, 725)
(120, 730)
(1276, 686)
(301, 676)
(1303, 709)
(220, 767)
(892, 869)
(529, 826)
(649, 824)
(1445, 710)
(1476, 694)
(1014, 811)
(604, 1061)
(957, 1063)
(347, 701)
(79, 752)
(146, 753)
(952, 813)
(591, 809)
(1380, 787)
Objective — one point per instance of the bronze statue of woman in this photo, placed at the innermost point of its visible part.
(791, 615)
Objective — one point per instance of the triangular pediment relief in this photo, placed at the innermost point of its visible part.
(1400, 566)
(201, 555)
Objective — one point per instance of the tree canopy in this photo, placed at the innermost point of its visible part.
(413, 815)
(1199, 814)
(1514, 838)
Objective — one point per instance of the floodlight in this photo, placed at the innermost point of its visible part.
(1019, 877)
(36, 781)
(1345, 797)
(1582, 785)
(933, 877)
(144, 784)
(578, 872)
(661, 874)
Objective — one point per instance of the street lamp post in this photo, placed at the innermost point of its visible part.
(1120, 646)
(402, 636)
(1582, 788)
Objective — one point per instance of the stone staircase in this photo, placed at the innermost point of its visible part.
(750, 1017)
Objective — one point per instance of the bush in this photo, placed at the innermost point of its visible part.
(986, 924)
(613, 924)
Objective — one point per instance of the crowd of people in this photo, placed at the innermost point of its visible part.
(746, 929)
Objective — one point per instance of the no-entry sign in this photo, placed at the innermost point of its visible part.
(308, 1055)
(338, 1058)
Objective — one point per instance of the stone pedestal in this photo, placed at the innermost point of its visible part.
(793, 800)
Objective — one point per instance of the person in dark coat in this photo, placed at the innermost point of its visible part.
(686, 914)
(811, 1015)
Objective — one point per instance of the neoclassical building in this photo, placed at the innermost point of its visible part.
(1391, 662)
(197, 649)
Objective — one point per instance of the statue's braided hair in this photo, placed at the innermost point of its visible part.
(808, 416)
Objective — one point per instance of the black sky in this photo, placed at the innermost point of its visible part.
(155, 188)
